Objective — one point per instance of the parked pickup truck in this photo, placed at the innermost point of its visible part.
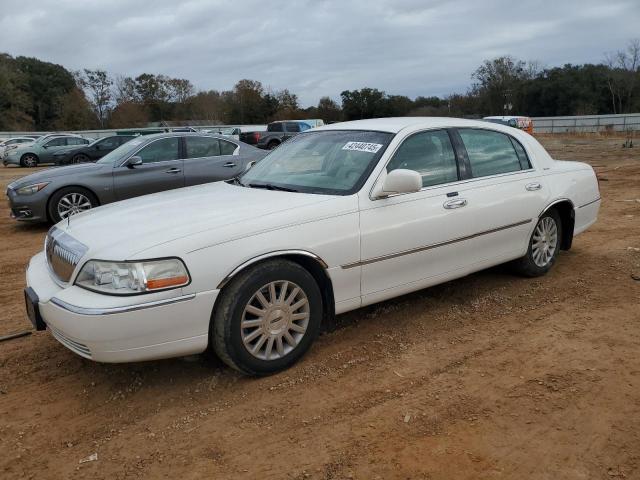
(278, 132)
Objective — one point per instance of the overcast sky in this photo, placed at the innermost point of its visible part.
(315, 47)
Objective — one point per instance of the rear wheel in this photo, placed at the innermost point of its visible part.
(70, 201)
(80, 158)
(267, 318)
(273, 145)
(544, 246)
(29, 160)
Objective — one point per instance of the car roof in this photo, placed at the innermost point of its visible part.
(504, 117)
(396, 124)
(183, 134)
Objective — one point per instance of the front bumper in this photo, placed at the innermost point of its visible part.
(10, 160)
(28, 208)
(108, 328)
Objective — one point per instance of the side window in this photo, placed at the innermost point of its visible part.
(160, 150)
(525, 164)
(198, 147)
(489, 152)
(292, 127)
(57, 142)
(430, 154)
(123, 139)
(76, 141)
(275, 127)
(227, 148)
(304, 126)
(108, 143)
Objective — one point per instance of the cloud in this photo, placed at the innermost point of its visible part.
(315, 47)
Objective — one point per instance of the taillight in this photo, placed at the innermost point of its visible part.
(256, 136)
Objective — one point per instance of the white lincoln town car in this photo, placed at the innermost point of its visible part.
(336, 218)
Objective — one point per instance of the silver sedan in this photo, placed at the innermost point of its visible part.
(144, 165)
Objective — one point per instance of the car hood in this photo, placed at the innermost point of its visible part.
(198, 216)
(50, 173)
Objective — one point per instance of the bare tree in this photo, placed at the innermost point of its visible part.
(125, 89)
(97, 85)
(622, 77)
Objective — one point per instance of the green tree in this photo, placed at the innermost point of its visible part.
(363, 103)
(328, 110)
(46, 84)
(14, 101)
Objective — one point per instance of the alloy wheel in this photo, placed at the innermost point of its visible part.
(73, 203)
(29, 161)
(545, 241)
(275, 320)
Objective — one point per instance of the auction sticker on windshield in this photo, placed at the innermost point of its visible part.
(362, 147)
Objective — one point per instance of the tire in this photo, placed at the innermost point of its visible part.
(74, 195)
(232, 343)
(29, 160)
(543, 249)
(80, 158)
(273, 145)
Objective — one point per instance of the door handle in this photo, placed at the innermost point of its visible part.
(229, 164)
(457, 203)
(173, 170)
(532, 187)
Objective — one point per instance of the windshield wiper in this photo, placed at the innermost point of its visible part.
(270, 186)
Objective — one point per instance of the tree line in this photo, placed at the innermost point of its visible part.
(38, 95)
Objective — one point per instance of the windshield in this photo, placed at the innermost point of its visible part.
(122, 151)
(334, 162)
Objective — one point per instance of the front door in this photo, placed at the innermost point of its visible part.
(161, 169)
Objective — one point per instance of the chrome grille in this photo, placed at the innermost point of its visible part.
(63, 253)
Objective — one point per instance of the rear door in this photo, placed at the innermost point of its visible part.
(161, 169)
(505, 193)
(210, 159)
(52, 146)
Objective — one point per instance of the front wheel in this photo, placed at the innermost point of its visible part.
(70, 201)
(544, 246)
(267, 318)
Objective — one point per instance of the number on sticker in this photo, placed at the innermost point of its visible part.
(362, 147)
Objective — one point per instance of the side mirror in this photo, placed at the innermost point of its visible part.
(133, 162)
(400, 181)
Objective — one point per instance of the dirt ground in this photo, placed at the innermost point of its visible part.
(489, 376)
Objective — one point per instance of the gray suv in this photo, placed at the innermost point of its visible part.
(146, 164)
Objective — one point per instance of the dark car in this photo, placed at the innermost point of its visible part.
(276, 133)
(146, 164)
(92, 152)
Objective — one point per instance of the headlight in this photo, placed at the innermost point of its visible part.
(130, 278)
(30, 189)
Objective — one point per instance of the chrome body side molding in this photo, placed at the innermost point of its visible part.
(432, 246)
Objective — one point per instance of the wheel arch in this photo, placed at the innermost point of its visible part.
(311, 262)
(30, 153)
(566, 210)
(90, 190)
